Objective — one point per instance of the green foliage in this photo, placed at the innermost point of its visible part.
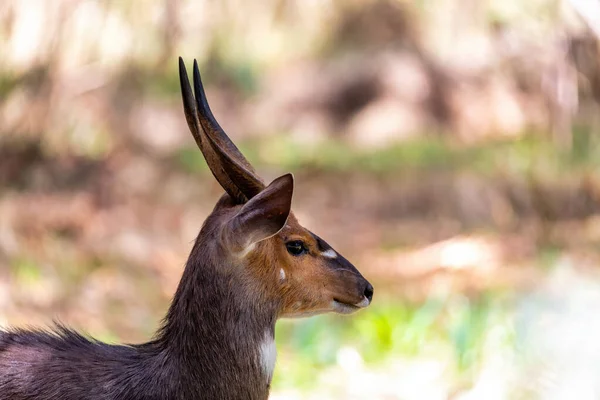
(525, 157)
(163, 84)
(7, 84)
(25, 271)
(454, 329)
(190, 159)
(467, 326)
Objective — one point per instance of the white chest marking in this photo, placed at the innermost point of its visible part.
(329, 253)
(268, 355)
(281, 275)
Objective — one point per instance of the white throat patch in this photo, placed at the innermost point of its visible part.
(268, 355)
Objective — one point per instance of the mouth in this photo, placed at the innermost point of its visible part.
(341, 307)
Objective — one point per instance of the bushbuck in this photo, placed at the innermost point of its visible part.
(251, 263)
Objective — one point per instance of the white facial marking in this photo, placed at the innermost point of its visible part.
(329, 253)
(281, 275)
(268, 355)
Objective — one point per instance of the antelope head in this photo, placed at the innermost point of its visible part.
(282, 263)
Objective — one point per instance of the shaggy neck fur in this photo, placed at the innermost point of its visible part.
(215, 343)
(216, 330)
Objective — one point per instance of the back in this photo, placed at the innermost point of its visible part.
(66, 365)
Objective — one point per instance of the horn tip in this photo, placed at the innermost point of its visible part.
(197, 72)
(182, 70)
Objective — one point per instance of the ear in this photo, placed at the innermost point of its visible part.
(262, 216)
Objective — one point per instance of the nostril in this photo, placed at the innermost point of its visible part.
(369, 292)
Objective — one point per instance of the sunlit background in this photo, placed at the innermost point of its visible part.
(449, 148)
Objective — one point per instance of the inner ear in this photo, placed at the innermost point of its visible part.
(262, 216)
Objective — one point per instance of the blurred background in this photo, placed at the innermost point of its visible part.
(449, 148)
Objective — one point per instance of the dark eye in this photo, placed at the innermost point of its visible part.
(296, 247)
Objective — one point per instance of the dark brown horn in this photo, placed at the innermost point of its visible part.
(228, 165)
(214, 129)
(233, 162)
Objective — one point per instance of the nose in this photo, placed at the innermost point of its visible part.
(369, 292)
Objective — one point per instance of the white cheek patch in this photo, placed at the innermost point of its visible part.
(329, 253)
(281, 275)
(268, 356)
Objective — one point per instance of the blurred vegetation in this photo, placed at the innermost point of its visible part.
(527, 155)
(449, 148)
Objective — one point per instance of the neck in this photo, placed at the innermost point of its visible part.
(220, 339)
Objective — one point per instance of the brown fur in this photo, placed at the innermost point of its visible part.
(311, 281)
(212, 341)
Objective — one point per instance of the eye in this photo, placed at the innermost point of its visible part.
(296, 247)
